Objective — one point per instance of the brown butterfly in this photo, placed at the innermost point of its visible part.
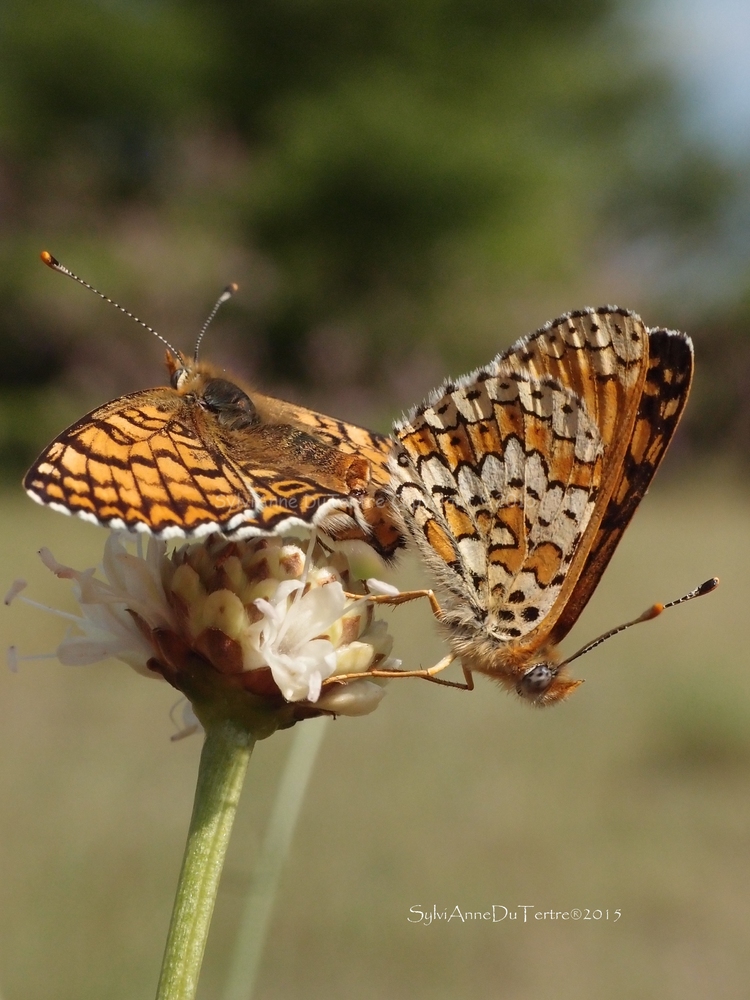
(202, 454)
(516, 483)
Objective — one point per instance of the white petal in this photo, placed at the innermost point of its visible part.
(190, 723)
(113, 549)
(285, 589)
(78, 651)
(299, 675)
(63, 572)
(380, 587)
(312, 614)
(15, 589)
(355, 698)
(315, 682)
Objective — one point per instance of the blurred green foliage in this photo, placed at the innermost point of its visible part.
(384, 180)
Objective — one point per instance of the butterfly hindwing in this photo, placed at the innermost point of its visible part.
(490, 516)
(348, 438)
(502, 479)
(368, 475)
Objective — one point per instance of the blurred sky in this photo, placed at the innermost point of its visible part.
(707, 43)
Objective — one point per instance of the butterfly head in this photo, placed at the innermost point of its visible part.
(179, 368)
(187, 375)
(545, 683)
(229, 404)
(536, 674)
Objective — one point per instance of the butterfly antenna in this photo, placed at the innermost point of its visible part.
(653, 612)
(225, 295)
(50, 261)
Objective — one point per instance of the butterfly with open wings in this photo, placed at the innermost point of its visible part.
(203, 455)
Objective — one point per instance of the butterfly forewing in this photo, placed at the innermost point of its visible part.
(137, 463)
(174, 464)
(665, 392)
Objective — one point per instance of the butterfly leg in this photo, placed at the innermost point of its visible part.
(427, 675)
(403, 598)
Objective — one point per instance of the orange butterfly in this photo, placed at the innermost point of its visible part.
(203, 455)
(516, 483)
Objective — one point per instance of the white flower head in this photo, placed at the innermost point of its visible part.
(262, 619)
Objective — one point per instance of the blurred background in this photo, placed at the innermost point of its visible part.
(400, 190)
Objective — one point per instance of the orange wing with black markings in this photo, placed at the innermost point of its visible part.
(665, 393)
(138, 463)
(202, 455)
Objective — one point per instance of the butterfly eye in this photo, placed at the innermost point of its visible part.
(537, 680)
(178, 377)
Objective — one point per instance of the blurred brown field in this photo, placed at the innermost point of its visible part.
(632, 797)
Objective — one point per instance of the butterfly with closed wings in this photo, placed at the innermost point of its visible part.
(516, 483)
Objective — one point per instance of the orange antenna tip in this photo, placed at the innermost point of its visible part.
(705, 588)
(653, 612)
(48, 259)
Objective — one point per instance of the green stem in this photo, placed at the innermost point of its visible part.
(224, 760)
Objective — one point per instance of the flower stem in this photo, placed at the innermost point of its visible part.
(224, 760)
